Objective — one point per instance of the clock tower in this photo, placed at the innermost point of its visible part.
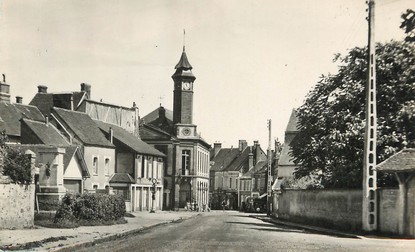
(183, 98)
(186, 178)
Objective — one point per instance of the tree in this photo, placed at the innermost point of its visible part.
(329, 145)
(408, 24)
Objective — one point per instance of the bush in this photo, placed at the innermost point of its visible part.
(17, 166)
(90, 207)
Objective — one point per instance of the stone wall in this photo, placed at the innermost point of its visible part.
(341, 209)
(16, 206)
(389, 210)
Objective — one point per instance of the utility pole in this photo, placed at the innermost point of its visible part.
(369, 206)
(269, 182)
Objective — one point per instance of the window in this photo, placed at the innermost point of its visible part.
(150, 167)
(160, 167)
(230, 183)
(186, 162)
(95, 165)
(107, 166)
(163, 149)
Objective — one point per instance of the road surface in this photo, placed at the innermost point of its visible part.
(234, 231)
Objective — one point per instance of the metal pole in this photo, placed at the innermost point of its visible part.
(269, 182)
(369, 204)
(153, 196)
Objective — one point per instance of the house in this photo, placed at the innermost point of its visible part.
(186, 177)
(122, 172)
(12, 113)
(286, 165)
(137, 164)
(99, 153)
(234, 173)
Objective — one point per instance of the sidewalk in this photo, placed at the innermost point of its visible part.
(308, 227)
(50, 239)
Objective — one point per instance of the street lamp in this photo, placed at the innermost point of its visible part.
(153, 196)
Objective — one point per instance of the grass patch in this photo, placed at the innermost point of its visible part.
(35, 244)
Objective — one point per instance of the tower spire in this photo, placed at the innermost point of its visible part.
(184, 40)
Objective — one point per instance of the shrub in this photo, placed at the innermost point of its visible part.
(14, 163)
(90, 207)
(17, 166)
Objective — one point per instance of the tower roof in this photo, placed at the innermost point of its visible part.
(183, 62)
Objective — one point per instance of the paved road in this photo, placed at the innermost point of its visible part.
(233, 231)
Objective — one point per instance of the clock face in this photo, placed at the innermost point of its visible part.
(186, 131)
(186, 85)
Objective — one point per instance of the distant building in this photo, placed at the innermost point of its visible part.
(237, 174)
(186, 177)
(286, 165)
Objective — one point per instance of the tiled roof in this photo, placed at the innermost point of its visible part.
(183, 62)
(224, 158)
(121, 178)
(84, 128)
(29, 112)
(241, 162)
(292, 125)
(261, 166)
(286, 158)
(403, 161)
(148, 132)
(45, 101)
(47, 134)
(153, 115)
(128, 139)
(10, 115)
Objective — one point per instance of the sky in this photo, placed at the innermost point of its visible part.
(253, 60)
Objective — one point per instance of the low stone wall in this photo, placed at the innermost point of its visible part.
(341, 209)
(16, 206)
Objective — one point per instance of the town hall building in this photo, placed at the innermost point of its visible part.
(186, 178)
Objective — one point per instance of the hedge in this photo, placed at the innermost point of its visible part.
(90, 207)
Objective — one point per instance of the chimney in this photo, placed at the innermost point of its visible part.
(47, 120)
(4, 90)
(250, 159)
(42, 89)
(111, 136)
(19, 99)
(86, 88)
(162, 112)
(216, 148)
(242, 145)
